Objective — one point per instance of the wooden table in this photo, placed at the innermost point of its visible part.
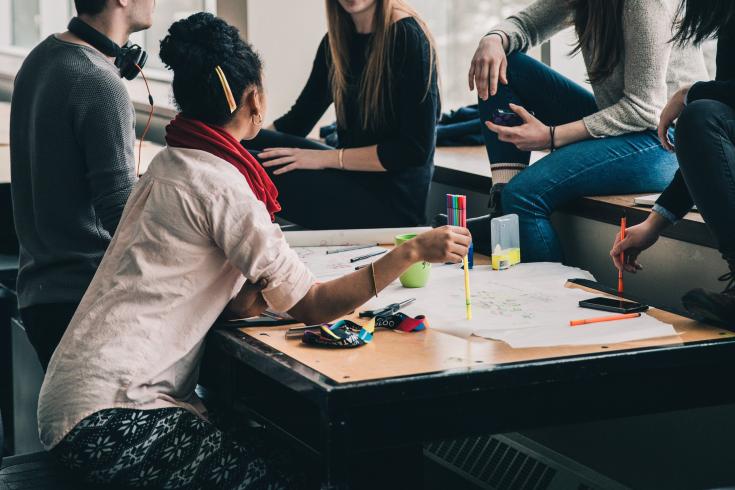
(379, 403)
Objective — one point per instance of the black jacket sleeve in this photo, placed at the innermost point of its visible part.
(676, 198)
(314, 100)
(720, 90)
(416, 108)
(723, 88)
(726, 54)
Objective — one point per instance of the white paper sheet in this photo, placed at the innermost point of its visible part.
(329, 266)
(325, 238)
(645, 327)
(525, 306)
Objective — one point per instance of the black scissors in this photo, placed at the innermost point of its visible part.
(388, 310)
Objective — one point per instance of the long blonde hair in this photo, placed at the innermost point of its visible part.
(377, 78)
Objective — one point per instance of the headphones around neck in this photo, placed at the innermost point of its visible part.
(129, 59)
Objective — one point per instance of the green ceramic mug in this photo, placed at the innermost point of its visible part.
(417, 275)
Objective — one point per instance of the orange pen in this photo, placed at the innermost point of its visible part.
(623, 224)
(627, 316)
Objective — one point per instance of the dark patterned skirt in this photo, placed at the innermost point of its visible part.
(169, 448)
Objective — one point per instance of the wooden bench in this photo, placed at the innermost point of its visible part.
(467, 168)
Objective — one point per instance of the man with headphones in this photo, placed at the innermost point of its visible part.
(72, 138)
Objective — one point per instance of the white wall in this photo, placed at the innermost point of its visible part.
(286, 33)
(570, 66)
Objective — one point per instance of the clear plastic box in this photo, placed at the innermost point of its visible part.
(506, 251)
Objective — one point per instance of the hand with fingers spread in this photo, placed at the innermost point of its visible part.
(489, 66)
(532, 135)
(671, 113)
(637, 239)
(298, 159)
(443, 244)
(249, 302)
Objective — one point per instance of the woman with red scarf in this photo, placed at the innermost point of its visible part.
(196, 241)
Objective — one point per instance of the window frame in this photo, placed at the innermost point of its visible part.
(11, 57)
(8, 49)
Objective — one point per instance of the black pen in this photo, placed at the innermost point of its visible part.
(357, 259)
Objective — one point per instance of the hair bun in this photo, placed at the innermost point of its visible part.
(199, 42)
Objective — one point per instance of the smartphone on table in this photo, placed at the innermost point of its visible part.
(613, 304)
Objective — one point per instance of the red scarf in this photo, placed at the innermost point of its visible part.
(183, 132)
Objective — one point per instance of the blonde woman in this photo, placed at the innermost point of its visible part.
(377, 65)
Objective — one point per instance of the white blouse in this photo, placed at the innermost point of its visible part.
(192, 232)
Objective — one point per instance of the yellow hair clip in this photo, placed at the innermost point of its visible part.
(226, 87)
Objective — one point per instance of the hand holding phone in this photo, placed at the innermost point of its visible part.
(507, 118)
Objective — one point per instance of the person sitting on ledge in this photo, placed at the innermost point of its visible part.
(705, 149)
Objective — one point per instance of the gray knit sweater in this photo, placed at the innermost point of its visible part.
(72, 167)
(651, 69)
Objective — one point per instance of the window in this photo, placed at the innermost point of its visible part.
(24, 23)
(167, 12)
(457, 27)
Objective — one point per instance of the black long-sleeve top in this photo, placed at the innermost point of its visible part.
(406, 143)
(676, 200)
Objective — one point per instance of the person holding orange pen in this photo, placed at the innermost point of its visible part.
(704, 144)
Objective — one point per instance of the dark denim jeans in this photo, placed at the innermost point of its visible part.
(705, 136)
(628, 164)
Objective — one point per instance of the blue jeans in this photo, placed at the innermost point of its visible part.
(628, 164)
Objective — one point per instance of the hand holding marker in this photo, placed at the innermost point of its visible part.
(577, 323)
(457, 215)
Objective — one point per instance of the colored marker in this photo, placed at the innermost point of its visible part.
(627, 316)
(463, 222)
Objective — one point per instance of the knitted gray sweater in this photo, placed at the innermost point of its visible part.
(651, 69)
(72, 165)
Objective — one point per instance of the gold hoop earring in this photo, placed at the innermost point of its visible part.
(259, 121)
